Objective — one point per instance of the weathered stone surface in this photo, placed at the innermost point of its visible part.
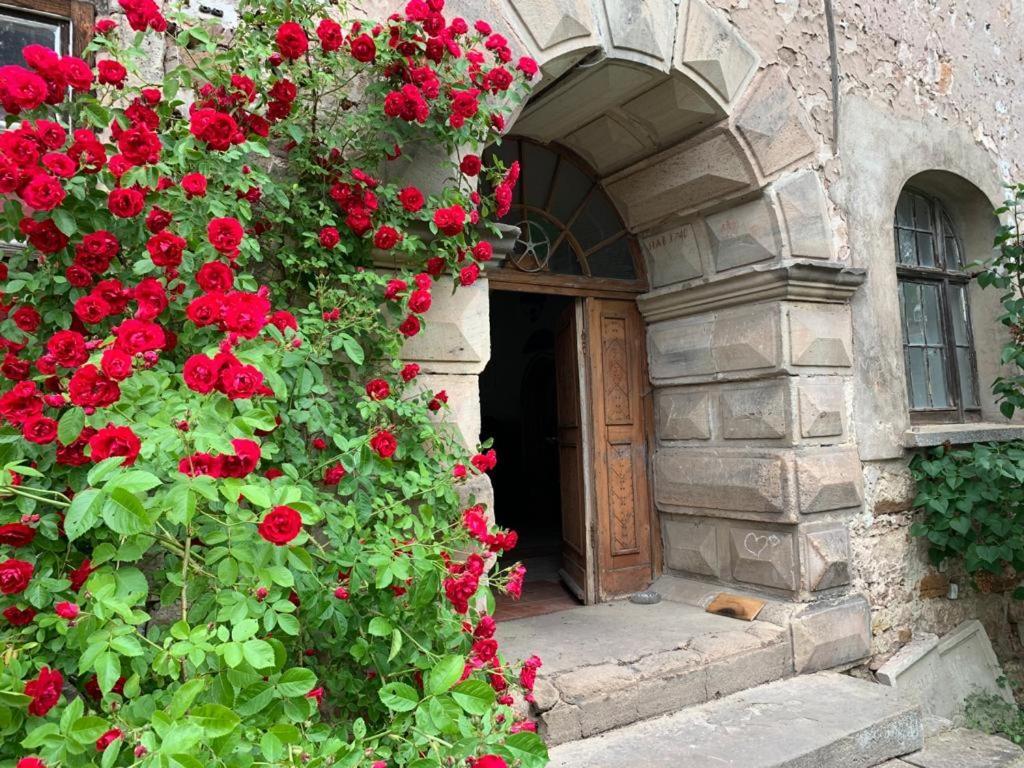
(829, 635)
(816, 720)
(679, 348)
(939, 674)
(802, 204)
(746, 339)
(691, 545)
(551, 22)
(456, 337)
(683, 414)
(764, 557)
(773, 123)
(828, 479)
(705, 479)
(826, 557)
(673, 255)
(822, 409)
(962, 748)
(606, 143)
(754, 412)
(750, 668)
(683, 179)
(582, 99)
(673, 110)
(820, 335)
(642, 30)
(561, 724)
(463, 411)
(712, 48)
(743, 235)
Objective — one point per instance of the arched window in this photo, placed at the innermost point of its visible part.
(570, 231)
(938, 347)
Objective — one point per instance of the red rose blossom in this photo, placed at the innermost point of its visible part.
(384, 444)
(363, 48)
(114, 440)
(108, 738)
(67, 610)
(45, 691)
(16, 534)
(280, 525)
(411, 199)
(225, 234)
(15, 576)
(291, 40)
(377, 389)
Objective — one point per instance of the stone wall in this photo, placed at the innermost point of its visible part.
(923, 87)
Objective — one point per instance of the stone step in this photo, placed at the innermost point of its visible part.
(961, 748)
(824, 720)
(612, 665)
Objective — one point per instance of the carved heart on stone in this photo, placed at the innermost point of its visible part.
(755, 544)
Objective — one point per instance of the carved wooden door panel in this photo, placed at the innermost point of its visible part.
(570, 456)
(622, 507)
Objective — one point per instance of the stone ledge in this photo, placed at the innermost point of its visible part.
(795, 281)
(927, 436)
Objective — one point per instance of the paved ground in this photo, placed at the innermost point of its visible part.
(961, 748)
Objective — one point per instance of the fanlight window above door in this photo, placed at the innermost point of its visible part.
(568, 225)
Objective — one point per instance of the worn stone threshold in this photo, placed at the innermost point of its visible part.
(610, 665)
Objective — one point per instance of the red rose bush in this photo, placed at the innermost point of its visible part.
(233, 531)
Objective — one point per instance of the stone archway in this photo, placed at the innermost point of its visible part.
(713, 166)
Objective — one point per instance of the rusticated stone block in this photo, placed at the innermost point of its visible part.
(606, 143)
(672, 256)
(829, 479)
(764, 557)
(743, 235)
(802, 203)
(713, 49)
(456, 337)
(643, 29)
(691, 545)
(463, 410)
(683, 179)
(827, 557)
(820, 335)
(746, 339)
(673, 110)
(821, 410)
(754, 412)
(705, 479)
(683, 415)
(828, 635)
(773, 123)
(681, 347)
(551, 22)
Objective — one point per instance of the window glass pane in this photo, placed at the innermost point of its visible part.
(16, 32)
(966, 373)
(932, 315)
(905, 211)
(907, 250)
(564, 260)
(937, 379)
(614, 260)
(913, 312)
(538, 169)
(954, 259)
(918, 378)
(571, 187)
(959, 312)
(925, 250)
(922, 213)
(597, 222)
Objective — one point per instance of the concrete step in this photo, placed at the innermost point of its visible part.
(824, 720)
(611, 665)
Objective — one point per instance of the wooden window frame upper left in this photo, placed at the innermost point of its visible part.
(81, 16)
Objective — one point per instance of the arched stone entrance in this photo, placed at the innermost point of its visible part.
(709, 160)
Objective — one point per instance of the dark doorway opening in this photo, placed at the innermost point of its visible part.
(519, 410)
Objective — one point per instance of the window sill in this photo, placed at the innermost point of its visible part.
(929, 435)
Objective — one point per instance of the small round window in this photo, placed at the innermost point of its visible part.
(567, 223)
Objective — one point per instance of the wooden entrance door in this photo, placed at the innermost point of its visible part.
(575, 542)
(617, 374)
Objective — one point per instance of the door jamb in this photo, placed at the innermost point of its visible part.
(587, 445)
